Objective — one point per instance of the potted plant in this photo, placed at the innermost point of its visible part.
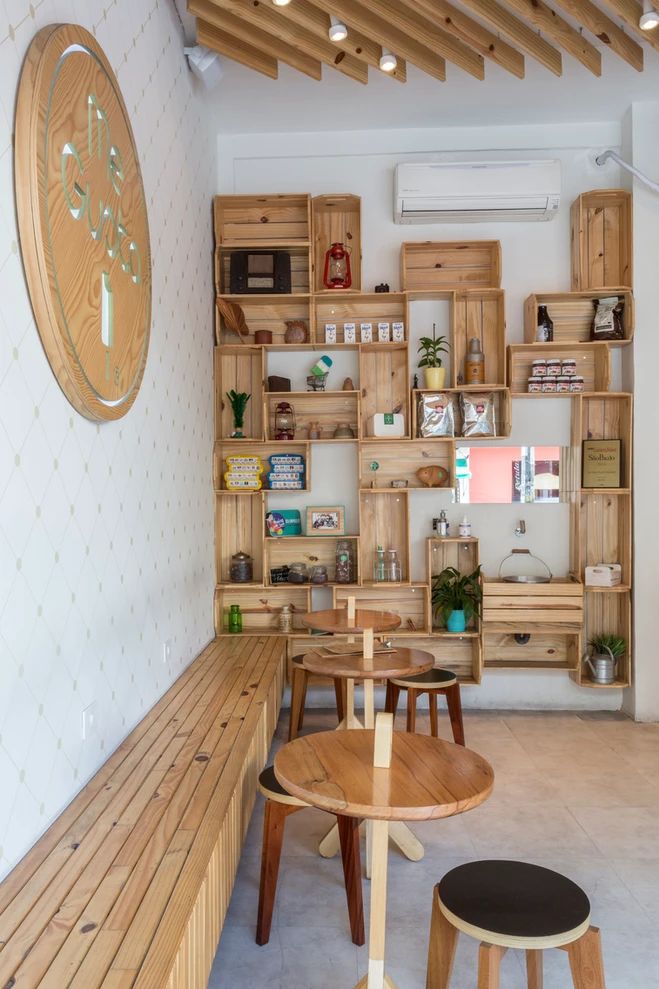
(238, 401)
(457, 597)
(430, 349)
(606, 651)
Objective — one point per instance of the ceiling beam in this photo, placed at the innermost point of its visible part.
(362, 47)
(236, 49)
(404, 17)
(630, 12)
(228, 24)
(355, 15)
(519, 32)
(605, 30)
(267, 18)
(547, 20)
(469, 31)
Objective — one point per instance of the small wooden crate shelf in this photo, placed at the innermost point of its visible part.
(262, 450)
(300, 272)
(260, 606)
(365, 307)
(480, 314)
(265, 312)
(461, 654)
(384, 521)
(553, 607)
(607, 416)
(459, 553)
(384, 382)
(605, 533)
(409, 601)
(327, 408)
(337, 219)
(502, 413)
(543, 651)
(400, 460)
(602, 244)
(240, 527)
(262, 221)
(572, 315)
(311, 550)
(448, 265)
(239, 368)
(608, 614)
(593, 364)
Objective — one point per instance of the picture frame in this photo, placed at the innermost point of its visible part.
(601, 463)
(325, 520)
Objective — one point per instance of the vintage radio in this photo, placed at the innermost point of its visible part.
(259, 272)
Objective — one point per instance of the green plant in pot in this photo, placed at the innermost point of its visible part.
(456, 597)
(431, 349)
(238, 401)
(606, 650)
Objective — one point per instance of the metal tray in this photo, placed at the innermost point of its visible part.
(526, 580)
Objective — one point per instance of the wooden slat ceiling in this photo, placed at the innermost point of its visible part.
(426, 33)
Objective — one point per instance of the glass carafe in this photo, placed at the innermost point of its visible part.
(392, 566)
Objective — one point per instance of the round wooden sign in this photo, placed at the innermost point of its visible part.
(83, 222)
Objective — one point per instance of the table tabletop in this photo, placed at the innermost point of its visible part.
(385, 664)
(336, 620)
(428, 778)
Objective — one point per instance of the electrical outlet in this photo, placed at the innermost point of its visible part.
(89, 725)
(167, 651)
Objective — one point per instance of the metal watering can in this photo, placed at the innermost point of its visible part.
(602, 667)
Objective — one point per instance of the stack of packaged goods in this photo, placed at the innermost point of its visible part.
(243, 473)
(286, 472)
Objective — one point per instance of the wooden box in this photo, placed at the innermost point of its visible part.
(410, 602)
(572, 315)
(262, 450)
(608, 416)
(344, 307)
(311, 550)
(593, 364)
(240, 369)
(337, 219)
(239, 528)
(608, 613)
(450, 265)
(543, 651)
(327, 408)
(300, 275)
(260, 607)
(451, 551)
(400, 460)
(266, 312)
(555, 606)
(502, 414)
(605, 534)
(384, 521)
(384, 381)
(602, 239)
(262, 221)
(460, 654)
(479, 314)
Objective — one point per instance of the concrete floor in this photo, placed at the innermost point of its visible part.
(576, 793)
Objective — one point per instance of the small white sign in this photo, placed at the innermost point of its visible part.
(349, 333)
(398, 332)
(384, 332)
(366, 332)
(330, 332)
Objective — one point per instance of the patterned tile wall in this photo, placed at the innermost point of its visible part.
(106, 532)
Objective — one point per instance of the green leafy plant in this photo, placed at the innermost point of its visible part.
(238, 401)
(453, 591)
(601, 644)
(430, 349)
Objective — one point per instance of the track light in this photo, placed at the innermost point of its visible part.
(281, 3)
(388, 61)
(649, 18)
(337, 29)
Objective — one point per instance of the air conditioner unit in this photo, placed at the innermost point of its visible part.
(478, 191)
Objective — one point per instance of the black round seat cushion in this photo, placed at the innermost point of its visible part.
(433, 678)
(269, 782)
(514, 899)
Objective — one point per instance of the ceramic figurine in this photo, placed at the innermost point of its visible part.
(348, 384)
(433, 477)
(296, 331)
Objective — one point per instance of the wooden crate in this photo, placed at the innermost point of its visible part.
(239, 527)
(451, 551)
(593, 364)
(460, 654)
(260, 607)
(311, 550)
(337, 219)
(449, 265)
(262, 450)
(605, 534)
(384, 382)
(347, 307)
(328, 408)
(300, 272)
(602, 245)
(384, 521)
(479, 314)
(410, 602)
(572, 314)
(502, 413)
(609, 416)
(555, 606)
(239, 368)
(400, 460)
(265, 312)
(608, 614)
(262, 221)
(553, 651)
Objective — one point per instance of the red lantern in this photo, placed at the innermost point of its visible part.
(337, 272)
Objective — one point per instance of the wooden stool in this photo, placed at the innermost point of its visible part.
(279, 805)
(300, 677)
(512, 905)
(434, 682)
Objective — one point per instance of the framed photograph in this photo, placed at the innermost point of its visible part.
(601, 463)
(326, 521)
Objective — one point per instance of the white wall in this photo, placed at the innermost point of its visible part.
(106, 532)
(536, 257)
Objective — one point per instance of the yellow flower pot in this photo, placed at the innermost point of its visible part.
(434, 377)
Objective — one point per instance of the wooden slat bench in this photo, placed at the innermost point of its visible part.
(129, 887)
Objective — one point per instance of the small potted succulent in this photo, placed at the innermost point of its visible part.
(606, 650)
(457, 597)
(431, 349)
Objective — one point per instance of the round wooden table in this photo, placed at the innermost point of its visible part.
(338, 621)
(383, 776)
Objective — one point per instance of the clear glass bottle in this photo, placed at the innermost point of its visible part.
(392, 568)
(343, 562)
(379, 566)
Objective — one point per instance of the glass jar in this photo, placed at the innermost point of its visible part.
(562, 384)
(241, 569)
(549, 383)
(535, 385)
(318, 574)
(235, 618)
(577, 383)
(298, 573)
(392, 566)
(554, 366)
(343, 562)
(569, 367)
(539, 367)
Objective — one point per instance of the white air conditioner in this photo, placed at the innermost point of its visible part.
(478, 191)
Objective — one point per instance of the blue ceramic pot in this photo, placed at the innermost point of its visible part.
(456, 622)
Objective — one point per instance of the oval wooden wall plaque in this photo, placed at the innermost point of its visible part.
(83, 221)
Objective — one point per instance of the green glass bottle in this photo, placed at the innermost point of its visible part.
(235, 618)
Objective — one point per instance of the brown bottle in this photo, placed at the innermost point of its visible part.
(545, 330)
(474, 363)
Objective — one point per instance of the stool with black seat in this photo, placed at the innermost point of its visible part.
(279, 805)
(299, 679)
(434, 682)
(512, 905)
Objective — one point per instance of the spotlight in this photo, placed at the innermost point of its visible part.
(388, 61)
(281, 3)
(337, 29)
(649, 18)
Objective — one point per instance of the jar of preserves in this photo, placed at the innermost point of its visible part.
(535, 385)
(549, 384)
(554, 366)
(539, 367)
(576, 383)
(569, 367)
(562, 384)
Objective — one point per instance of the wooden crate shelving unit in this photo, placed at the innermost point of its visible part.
(502, 413)
(572, 315)
(593, 364)
(327, 408)
(602, 239)
(349, 307)
(400, 460)
(310, 550)
(384, 383)
(384, 520)
(238, 368)
(410, 601)
(260, 607)
(337, 219)
(443, 266)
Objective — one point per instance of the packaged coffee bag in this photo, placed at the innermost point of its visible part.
(478, 414)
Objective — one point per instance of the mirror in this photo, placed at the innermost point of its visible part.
(507, 475)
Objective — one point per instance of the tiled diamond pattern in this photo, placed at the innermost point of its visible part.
(106, 532)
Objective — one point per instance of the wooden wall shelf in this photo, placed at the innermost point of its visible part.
(327, 408)
(593, 364)
(310, 550)
(400, 460)
(480, 314)
(602, 246)
(502, 414)
(260, 606)
(384, 383)
(365, 307)
(450, 265)
(337, 219)
(384, 521)
(227, 448)
(572, 315)
(239, 369)
(409, 601)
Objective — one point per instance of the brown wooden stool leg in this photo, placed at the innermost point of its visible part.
(393, 693)
(454, 703)
(586, 962)
(273, 837)
(441, 948)
(489, 965)
(339, 693)
(534, 969)
(411, 710)
(298, 697)
(432, 707)
(352, 874)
